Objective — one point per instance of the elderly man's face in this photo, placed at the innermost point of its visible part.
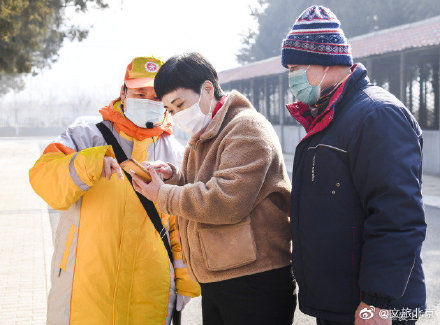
(314, 72)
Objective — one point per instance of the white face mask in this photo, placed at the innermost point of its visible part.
(141, 111)
(192, 120)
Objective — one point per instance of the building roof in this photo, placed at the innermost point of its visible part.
(252, 70)
(418, 34)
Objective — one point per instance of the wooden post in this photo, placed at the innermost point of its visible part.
(438, 92)
(402, 79)
(252, 91)
(264, 107)
(369, 66)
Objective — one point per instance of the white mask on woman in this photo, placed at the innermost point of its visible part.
(192, 120)
(141, 111)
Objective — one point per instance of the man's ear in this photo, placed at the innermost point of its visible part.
(122, 96)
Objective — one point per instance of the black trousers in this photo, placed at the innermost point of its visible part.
(320, 321)
(262, 298)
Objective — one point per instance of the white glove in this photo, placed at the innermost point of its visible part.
(181, 302)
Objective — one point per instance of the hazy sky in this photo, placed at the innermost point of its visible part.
(132, 28)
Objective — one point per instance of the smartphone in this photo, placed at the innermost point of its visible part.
(132, 165)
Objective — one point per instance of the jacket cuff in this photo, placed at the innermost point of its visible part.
(75, 177)
(376, 301)
(185, 286)
(162, 202)
(110, 152)
(175, 178)
(88, 163)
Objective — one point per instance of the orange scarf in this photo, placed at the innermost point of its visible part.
(113, 113)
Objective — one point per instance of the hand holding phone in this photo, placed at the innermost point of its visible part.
(132, 165)
(162, 168)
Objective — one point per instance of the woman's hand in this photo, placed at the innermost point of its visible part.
(160, 167)
(149, 190)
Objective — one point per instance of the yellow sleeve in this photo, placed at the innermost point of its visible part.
(61, 175)
(185, 286)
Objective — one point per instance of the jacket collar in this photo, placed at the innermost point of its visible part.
(234, 99)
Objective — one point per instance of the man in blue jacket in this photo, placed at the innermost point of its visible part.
(357, 214)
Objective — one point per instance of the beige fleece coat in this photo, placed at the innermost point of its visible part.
(231, 197)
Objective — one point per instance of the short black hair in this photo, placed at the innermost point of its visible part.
(188, 70)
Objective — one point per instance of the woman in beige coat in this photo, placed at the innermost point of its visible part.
(231, 198)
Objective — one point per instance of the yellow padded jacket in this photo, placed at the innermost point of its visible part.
(109, 264)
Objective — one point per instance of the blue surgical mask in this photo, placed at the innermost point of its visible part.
(302, 89)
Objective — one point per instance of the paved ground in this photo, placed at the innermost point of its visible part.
(26, 242)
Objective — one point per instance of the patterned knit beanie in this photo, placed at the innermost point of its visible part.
(316, 38)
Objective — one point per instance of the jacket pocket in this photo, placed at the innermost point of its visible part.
(325, 168)
(228, 246)
(67, 248)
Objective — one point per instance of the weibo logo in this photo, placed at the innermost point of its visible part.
(367, 313)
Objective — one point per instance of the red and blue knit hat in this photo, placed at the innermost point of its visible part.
(316, 38)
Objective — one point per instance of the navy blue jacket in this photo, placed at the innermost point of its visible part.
(357, 215)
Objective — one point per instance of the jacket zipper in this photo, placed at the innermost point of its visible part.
(298, 161)
(67, 249)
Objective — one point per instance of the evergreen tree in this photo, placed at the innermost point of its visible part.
(276, 17)
(32, 32)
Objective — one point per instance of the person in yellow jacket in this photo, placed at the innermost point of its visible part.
(110, 265)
